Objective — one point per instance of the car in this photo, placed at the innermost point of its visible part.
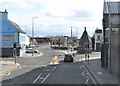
(68, 58)
(30, 50)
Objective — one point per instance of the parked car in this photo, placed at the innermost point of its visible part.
(30, 50)
(68, 58)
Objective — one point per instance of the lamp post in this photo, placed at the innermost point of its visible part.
(33, 34)
(71, 38)
(76, 32)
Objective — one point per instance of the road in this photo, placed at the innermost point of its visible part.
(38, 71)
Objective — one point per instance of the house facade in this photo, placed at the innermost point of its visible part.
(11, 34)
(97, 40)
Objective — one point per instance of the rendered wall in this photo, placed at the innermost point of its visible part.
(114, 53)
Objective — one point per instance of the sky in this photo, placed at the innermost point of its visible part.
(55, 17)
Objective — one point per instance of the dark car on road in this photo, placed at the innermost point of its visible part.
(69, 58)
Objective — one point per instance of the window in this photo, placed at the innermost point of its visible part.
(98, 37)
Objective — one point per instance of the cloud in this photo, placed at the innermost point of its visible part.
(54, 14)
(21, 4)
(82, 14)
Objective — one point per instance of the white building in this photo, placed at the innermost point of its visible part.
(98, 39)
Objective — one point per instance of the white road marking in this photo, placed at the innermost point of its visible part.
(81, 67)
(53, 68)
(92, 79)
(8, 73)
(90, 76)
(45, 78)
(86, 77)
(41, 78)
(37, 78)
(99, 73)
(49, 69)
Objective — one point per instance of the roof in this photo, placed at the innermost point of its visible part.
(85, 38)
(112, 7)
(17, 26)
(4, 11)
(98, 31)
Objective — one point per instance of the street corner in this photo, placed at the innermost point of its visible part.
(8, 66)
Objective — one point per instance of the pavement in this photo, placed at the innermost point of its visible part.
(8, 66)
(100, 75)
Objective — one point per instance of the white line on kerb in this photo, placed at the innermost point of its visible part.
(91, 77)
(45, 78)
(37, 78)
(86, 77)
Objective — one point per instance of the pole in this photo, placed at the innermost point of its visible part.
(14, 51)
(71, 32)
(76, 32)
(110, 27)
(15, 55)
(119, 46)
(32, 34)
(71, 39)
(103, 46)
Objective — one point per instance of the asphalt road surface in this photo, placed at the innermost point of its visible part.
(38, 71)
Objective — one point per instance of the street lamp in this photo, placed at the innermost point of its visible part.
(76, 32)
(33, 34)
(71, 32)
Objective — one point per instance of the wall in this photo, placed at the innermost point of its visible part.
(98, 41)
(114, 20)
(23, 40)
(114, 53)
(10, 35)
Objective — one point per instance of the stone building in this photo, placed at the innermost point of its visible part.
(111, 26)
(84, 40)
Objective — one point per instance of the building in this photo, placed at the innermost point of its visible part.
(11, 36)
(111, 33)
(42, 39)
(97, 40)
(84, 40)
(59, 40)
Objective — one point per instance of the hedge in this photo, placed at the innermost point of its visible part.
(59, 47)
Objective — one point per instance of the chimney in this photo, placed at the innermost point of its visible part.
(4, 15)
(85, 28)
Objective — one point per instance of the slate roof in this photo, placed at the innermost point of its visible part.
(85, 38)
(112, 7)
(17, 26)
